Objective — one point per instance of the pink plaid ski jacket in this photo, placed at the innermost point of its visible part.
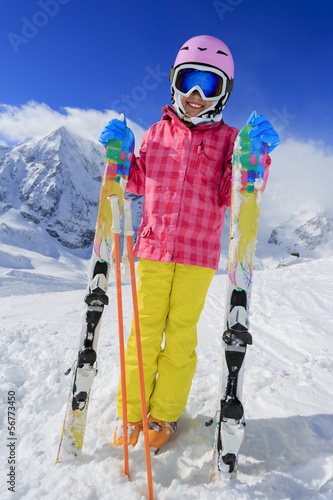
(185, 177)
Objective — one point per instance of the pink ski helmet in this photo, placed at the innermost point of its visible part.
(206, 53)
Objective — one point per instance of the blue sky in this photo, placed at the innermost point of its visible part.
(107, 54)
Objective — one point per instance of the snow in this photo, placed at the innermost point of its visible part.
(287, 452)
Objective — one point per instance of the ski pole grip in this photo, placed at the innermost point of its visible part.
(121, 117)
(113, 199)
(128, 230)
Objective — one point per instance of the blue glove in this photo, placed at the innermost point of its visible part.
(115, 129)
(264, 131)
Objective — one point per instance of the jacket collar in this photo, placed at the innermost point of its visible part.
(169, 113)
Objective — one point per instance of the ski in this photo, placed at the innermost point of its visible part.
(248, 164)
(117, 163)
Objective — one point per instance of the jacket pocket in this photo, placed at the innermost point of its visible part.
(208, 161)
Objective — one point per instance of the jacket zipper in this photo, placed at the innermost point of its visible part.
(199, 151)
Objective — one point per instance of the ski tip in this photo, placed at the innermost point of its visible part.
(251, 118)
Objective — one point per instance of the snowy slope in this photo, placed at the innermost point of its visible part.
(288, 394)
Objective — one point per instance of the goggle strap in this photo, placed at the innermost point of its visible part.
(230, 85)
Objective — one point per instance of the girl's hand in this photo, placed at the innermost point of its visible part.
(263, 130)
(115, 129)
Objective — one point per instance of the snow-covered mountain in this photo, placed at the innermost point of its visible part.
(54, 182)
(310, 236)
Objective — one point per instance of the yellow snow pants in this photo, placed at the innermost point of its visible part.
(171, 298)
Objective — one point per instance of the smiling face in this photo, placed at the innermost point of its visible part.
(194, 104)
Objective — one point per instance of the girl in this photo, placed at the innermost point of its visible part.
(184, 173)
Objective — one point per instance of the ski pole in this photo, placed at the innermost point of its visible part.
(128, 232)
(115, 229)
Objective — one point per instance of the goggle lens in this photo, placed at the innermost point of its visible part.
(210, 83)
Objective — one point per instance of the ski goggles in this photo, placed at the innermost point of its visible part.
(212, 85)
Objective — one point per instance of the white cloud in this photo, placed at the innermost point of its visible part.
(37, 119)
(300, 181)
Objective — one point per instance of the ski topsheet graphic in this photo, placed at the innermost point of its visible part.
(249, 158)
(116, 169)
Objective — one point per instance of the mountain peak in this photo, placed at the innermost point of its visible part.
(54, 181)
(61, 134)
